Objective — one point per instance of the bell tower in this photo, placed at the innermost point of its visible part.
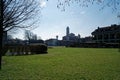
(67, 31)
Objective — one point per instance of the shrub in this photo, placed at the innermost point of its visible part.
(25, 49)
(38, 48)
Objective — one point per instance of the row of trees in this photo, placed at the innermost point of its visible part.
(28, 35)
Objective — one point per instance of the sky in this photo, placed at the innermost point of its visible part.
(81, 20)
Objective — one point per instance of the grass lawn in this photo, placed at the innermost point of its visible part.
(64, 64)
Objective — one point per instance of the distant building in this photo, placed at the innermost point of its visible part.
(88, 39)
(101, 37)
(109, 34)
(52, 42)
(71, 36)
(67, 40)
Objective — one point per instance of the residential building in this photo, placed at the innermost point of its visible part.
(109, 34)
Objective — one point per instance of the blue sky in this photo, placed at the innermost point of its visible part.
(81, 20)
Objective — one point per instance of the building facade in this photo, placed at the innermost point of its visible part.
(71, 37)
(52, 42)
(109, 34)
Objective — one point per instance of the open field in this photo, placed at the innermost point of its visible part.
(64, 64)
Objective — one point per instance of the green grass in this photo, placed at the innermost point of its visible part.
(64, 64)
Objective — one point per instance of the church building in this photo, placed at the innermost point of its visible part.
(71, 37)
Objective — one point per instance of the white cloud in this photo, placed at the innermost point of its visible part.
(42, 3)
(82, 12)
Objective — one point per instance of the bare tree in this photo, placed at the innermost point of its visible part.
(1, 30)
(34, 37)
(28, 35)
(113, 4)
(16, 14)
(9, 37)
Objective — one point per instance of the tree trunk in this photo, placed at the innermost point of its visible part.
(1, 31)
(1, 46)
